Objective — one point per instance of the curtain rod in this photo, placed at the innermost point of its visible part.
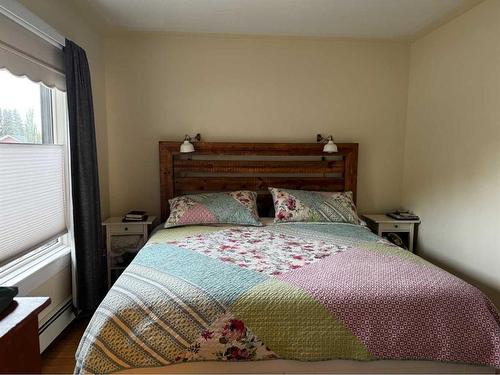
(27, 19)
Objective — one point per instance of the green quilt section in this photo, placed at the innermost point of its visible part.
(294, 325)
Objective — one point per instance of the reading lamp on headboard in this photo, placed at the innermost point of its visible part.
(329, 146)
(187, 146)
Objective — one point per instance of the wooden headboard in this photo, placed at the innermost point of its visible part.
(221, 166)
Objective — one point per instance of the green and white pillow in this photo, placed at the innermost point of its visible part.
(236, 207)
(313, 206)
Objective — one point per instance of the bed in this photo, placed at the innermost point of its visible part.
(295, 297)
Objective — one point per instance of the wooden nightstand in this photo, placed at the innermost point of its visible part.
(123, 241)
(381, 224)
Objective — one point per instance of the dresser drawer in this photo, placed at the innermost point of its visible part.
(125, 228)
(394, 227)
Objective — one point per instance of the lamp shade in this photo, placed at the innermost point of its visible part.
(330, 147)
(187, 146)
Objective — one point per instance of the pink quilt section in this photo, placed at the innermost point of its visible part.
(404, 310)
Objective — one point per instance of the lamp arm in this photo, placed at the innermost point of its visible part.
(194, 138)
(321, 139)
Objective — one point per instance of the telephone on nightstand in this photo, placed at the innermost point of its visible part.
(403, 215)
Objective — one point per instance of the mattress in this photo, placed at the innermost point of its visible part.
(285, 292)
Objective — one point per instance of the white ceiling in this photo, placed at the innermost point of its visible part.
(333, 18)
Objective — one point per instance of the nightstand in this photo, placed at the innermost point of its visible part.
(123, 241)
(381, 225)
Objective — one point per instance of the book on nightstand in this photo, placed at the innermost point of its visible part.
(135, 216)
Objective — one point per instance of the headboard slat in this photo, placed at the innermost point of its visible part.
(221, 166)
(182, 167)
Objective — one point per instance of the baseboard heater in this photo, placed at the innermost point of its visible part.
(53, 327)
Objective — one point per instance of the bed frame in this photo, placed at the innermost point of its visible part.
(224, 166)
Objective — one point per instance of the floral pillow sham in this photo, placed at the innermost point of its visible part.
(313, 206)
(236, 207)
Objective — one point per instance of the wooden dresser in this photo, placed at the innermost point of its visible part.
(19, 345)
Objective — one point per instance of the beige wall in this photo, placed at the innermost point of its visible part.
(161, 86)
(452, 163)
(58, 287)
(64, 17)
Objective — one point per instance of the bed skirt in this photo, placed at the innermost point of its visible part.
(282, 366)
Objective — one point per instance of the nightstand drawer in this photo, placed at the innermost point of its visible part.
(394, 227)
(125, 228)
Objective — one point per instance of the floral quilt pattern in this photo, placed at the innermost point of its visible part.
(258, 249)
(228, 339)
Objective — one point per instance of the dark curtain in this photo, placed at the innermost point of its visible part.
(90, 260)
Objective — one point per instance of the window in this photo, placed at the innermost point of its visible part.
(33, 167)
(24, 106)
(34, 150)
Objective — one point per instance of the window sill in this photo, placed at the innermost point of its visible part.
(36, 270)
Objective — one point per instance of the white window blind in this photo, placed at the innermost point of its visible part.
(24, 53)
(32, 197)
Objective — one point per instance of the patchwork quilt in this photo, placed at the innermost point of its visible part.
(306, 292)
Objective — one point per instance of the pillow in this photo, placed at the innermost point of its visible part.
(313, 206)
(236, 207)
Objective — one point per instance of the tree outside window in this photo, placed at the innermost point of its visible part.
(25, 110)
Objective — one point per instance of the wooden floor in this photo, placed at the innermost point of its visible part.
(59, 357)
